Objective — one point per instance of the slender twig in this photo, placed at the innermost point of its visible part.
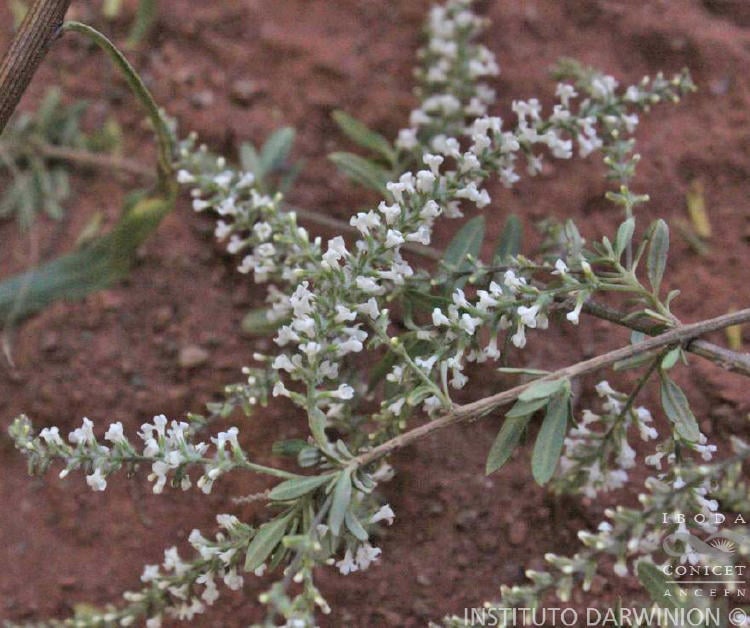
(681, 335)
(89, 159)
(729, 360)
(38, 30)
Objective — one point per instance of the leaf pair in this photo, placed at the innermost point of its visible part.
(367, 172)
(270, 165)
(555, 396)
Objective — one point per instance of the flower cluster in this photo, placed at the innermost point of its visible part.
(452, 68)
(168, 447)
(597, 455)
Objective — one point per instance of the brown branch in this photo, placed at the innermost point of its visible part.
(88, 159)
(34, 37)
(681, 335)
(729, 360)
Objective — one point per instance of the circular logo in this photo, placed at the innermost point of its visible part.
(737, 617)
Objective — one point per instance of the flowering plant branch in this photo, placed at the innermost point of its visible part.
(341, 308)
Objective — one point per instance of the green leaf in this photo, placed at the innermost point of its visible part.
(269, 535)
(276, 149)
(342, 495)
(526, 408)
(549, 442)
(542, 389)
(505, 443)
(624, 236)
(317, 421)
(296, 487)
(355, 527)
(467, 242)
(633, 362)
(144, 19)
(669, 360)
(522, 371)
(250, 160)
(677, 408)
(256, 323)
(363, 136)
(363, 171)
(656, 262)
(655, 582)
(509, 244)
(289, 447)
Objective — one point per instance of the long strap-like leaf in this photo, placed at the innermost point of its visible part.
(107, 258)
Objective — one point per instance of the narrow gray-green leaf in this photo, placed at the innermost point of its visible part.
(510, 240)
(655, 581)
(624, 236)
(276, 149)
(526, 408)
(361, 170)
(522, 371)
(250, 160)
(658, 248)
(677, 408)
(506, 442)
(355, 527)
(542, 389)
(342, 495)
(467, 241)
(362, 135)
(296, 487)
(549, 442)
(257, 323)
(269, 535)
(669, 360)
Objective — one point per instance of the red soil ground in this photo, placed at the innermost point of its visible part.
(458, 535)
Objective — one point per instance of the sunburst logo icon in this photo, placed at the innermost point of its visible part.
(724, 545)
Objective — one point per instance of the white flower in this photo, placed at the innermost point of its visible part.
(528, 315)
(574, 315)
(115, 433)
(438, 318)
(364, 221)
(368, 284)
(621, 569)
(433, 162)
(603, 389)
(519, 338)
(246, 180)
(384, 514)
(512, 281)
(183, 176)
(469, 323)
(347, 564)
(344, 314)
(233, 580)
(150, 573)
(390, 212)
(560, 268)
(366, 555)
(407, 139)
(51, 436)
(84, 434)
(223, 179)
(96, 480)
(344, 392)
(393, 239)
